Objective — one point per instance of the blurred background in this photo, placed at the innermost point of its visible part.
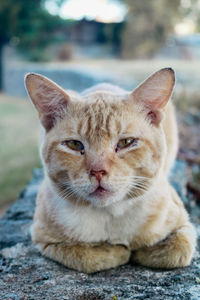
(79, 43)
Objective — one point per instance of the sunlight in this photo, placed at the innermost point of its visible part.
(98, 10)
(185, 28)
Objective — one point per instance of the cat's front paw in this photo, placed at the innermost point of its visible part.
(86, 258)
(106, 257)
(175, 251)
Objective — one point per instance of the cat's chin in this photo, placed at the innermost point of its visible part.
(102, 198)
(99, 203)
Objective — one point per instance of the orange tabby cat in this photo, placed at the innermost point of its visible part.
(106, 198)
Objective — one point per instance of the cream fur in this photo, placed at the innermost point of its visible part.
(140, 215)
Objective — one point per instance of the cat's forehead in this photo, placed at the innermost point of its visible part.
(104, 108)
(102, 119)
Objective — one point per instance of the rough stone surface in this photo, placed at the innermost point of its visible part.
(25, 274)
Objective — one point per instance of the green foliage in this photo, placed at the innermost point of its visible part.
(19, 153)
(147, 26)
(191, 10)
(28, 23)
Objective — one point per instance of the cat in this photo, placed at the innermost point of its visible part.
(106, 199)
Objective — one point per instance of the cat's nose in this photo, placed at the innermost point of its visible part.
(98, 174)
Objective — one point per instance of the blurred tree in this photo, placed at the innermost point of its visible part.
(147, 26)
(28, 25)
(191, 12)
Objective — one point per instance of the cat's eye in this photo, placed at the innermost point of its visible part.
(74, 145)
(124, 143)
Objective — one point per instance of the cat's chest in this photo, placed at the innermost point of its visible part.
(95, 225)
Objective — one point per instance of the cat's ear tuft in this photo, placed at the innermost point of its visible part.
(49, 99)
(153, 94)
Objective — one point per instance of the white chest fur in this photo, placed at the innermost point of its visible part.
(116, 225)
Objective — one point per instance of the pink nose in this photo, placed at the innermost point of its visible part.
(98, 174)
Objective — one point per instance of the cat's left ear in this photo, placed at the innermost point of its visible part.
(49, 99)
(153, 94)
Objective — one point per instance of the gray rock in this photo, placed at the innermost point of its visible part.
(178, 178)
(25, 274)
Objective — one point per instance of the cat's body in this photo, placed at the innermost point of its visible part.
(106, 197)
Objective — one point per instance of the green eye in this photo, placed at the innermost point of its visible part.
(74, 145)
(124, 143)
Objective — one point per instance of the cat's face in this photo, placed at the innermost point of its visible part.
(102, 147)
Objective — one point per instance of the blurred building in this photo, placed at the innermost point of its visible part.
(92, 39)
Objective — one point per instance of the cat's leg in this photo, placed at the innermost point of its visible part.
(86, 258)
(175, 251)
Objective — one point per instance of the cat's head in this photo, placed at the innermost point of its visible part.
(103, 146)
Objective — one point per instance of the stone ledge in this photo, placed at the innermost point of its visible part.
(25, 274)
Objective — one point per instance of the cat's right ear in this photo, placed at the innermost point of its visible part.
(49, 99)
(153, 94)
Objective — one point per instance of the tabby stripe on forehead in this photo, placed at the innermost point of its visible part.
(88, 126)
(80, 126)
(107, 125)
(118, 126)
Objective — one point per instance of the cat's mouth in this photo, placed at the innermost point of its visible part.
(100, 192)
